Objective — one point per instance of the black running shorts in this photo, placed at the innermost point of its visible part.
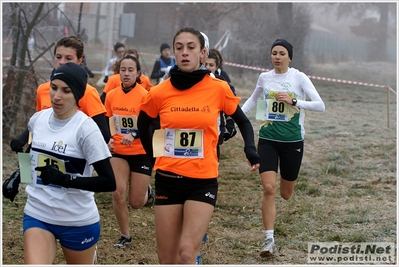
(169, 191)
(289, 154)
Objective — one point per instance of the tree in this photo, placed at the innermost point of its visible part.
(374, 24)
(253, 26)
(257, 26)
(21, 82)
(20, 77)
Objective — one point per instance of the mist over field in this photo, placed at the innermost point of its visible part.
(321, 33)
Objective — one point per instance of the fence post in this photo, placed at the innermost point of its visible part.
(388, 100)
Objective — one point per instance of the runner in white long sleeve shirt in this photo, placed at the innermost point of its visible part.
(281, 95)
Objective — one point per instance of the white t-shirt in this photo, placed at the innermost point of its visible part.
(73, 145)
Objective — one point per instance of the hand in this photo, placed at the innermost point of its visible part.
(10, 185)
(252, 156)
(282, 97)
(111, 145)
(105, 79)
(91, 74)
(254, 167)
(230, 130)
(51, 175)
(16, 145)
(127, 139)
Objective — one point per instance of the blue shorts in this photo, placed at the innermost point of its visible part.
(77, 238)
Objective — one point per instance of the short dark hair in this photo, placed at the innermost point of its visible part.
(118, 45)
(72, 42)
(219, 55)
(213, 55)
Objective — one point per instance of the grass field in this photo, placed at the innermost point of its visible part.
(346, 191)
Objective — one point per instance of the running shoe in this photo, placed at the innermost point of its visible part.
(199, 256)
(269, 248)
(122, 242)
(198, 259)
(151, 197)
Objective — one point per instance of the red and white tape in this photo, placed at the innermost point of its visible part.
(315, 77)
(310, 76)
(264, 69)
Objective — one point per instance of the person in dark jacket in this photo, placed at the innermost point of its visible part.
(162, 63)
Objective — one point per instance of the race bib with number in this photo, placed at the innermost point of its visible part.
(44, 160)
(271, 109)
(125, 124)
(184, 143)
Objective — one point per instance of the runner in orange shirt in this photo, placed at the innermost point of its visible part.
(115, 80)
(68, 49)
(131, 164)
(185, 148)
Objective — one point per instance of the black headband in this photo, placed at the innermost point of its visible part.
(74, 76)
(286, 45)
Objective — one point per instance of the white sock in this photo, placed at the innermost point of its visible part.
(269, 234)
(125, 236)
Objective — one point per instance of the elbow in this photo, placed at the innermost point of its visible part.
(107, 136)
(323, 107)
